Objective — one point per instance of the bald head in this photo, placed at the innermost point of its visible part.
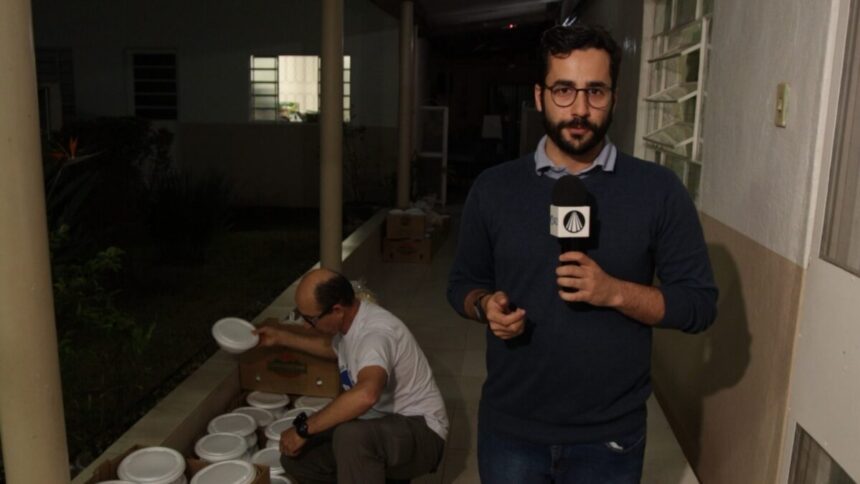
(322, 288)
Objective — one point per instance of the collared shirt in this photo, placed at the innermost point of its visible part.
(544, 166)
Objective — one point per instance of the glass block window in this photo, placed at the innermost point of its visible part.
(287, 88)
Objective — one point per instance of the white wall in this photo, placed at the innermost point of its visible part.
(757, 177)
(213, 41)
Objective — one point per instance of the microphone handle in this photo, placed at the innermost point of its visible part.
(570, 245)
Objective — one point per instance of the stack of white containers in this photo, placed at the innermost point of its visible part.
(262, 416)
(270, 457)
(153, 465)
(227, 472)
(222, 446)
(236, 423)
(275, 403)
(315, 403)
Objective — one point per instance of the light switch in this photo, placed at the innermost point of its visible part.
(781, 105)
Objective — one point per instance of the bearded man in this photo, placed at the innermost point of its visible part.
(569, 335)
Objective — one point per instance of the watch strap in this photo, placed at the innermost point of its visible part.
(301, 425)
(479, 309)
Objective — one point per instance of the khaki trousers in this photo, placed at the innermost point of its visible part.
(369, 451)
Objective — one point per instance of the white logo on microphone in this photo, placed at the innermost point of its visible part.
(570, 222)
(574, 221)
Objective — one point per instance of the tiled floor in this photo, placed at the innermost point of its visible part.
(455, 349)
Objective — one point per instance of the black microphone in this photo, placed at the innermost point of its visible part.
(570, 214)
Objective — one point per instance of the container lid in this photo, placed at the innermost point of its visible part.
(221, 446)
(262, 416)
(274, 431)
(280, 480)
(296, 411)
(313, 402)
(233, 423)
(152, 465)
(269, 401)
(270, 457)
(227, 472)
(234, 335)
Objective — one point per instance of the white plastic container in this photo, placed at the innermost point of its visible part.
(226, 472)
(222, 446)
(235, 423)
(293, 413)
(273, 402)
(129, 482)
(274, 431)
(282, 479)
(261, 415)
(269, 457)
(316, 403)
(153, 465)
(234, 335)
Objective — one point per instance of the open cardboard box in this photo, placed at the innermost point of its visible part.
(284, 370)
(107, 470)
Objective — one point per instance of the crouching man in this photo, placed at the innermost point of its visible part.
(390, 421)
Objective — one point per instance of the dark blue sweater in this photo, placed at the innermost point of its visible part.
(579, 373)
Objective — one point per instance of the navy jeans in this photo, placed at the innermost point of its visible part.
(503, 459)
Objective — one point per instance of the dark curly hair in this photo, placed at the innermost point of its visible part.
(561, 41)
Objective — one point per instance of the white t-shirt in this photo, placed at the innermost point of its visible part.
(378, 338)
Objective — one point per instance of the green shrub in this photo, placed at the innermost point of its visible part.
(84, 304)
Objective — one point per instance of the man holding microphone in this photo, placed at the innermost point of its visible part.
(569, 331)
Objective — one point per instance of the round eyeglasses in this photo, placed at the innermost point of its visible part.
(564, 95)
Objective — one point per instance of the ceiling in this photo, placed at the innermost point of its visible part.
(478, 29)
(440, 17)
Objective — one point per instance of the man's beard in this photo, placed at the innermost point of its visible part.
(598, 133)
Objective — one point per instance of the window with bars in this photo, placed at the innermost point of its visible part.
(677, 67)
(287, 88)
(154, 85)
(55, 67)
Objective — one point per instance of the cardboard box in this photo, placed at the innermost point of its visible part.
(107, 470)
(420, 249)
(283, 370)
(407, 250)
(405, 226)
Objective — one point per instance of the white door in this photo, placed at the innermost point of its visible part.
(824, 397)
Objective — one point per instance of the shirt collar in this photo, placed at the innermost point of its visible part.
(544, 166)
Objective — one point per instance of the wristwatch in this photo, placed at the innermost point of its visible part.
(301, 425)
(479, 310)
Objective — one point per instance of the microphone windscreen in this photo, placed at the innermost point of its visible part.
(569, 191)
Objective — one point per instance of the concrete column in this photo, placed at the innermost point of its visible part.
(407, 89)
(31, 403)
(331, 136)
